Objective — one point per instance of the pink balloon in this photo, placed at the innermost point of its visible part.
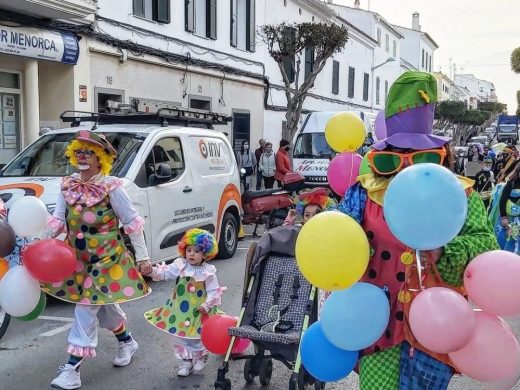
(441, 320)
(492, 281)
(492, 354)
(380, 125)
(240, 346)
(343, 171)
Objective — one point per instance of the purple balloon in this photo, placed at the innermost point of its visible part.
(380, 125)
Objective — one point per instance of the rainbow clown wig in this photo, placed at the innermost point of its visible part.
(88, 140)
(202, 239)
(318, 196)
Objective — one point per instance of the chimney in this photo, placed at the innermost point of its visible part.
(356, 4)
(415, 21)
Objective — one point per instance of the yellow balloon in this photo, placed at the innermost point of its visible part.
(332, 251)
(345, 132)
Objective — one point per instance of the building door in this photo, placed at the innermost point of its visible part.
(241, 129)
(10, 137)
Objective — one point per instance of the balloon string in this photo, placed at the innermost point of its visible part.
(419, 267)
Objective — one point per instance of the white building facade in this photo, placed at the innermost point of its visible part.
(484, 90)
(385, 67)
(417, 47)
(202, 54)
(39, 67)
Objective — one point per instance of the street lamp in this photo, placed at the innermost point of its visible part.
(390, 59)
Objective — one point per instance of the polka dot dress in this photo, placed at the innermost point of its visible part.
(179, 315)
(105, 270)
(387, 269)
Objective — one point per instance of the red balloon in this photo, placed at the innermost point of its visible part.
(49, 261)
(240, 346)
(214, 333)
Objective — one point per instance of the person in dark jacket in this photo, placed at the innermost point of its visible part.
(258, 154)
(485, 181)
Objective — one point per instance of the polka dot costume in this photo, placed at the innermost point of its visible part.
(105, 270)
(179, 315)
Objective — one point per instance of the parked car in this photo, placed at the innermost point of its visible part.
(481, 139)
(178, 172)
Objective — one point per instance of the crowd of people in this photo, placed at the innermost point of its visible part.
(263, 164)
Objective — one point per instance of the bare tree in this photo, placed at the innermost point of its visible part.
(286, 44)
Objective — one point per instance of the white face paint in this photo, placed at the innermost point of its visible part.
(83, 167)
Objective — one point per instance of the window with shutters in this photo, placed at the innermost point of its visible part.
(156, 10)
(351, 81)
(309, 61)
(365, 87)
(242, 25)
(423, 53)
(289, 61)
(394, 48)
(335, 77)
(387, 43)
(386, 89)
(379, 36)
(378, 87)
(201, 17)
(430, 63)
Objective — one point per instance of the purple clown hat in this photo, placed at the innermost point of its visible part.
(409, 113)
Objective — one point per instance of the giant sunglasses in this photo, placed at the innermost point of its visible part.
(386, 162)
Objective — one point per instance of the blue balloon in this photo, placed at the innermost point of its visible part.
(323, 360)
(425, 206)
(355, 318)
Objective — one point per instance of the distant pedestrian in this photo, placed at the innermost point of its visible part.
(246, 160)
(267, 165)
(283, 165)
(258, 154)
(196, 295)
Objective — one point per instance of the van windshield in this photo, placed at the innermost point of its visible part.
(312, 145)
(46, 156)
(507, 128)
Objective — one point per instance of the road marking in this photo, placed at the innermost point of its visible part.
(54, 332)
(52, 318)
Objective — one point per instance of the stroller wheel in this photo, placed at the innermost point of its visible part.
(249, 372)
(265, 371)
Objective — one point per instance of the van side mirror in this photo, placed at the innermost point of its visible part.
(163, 174)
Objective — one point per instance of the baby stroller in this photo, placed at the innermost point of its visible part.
(278, 304)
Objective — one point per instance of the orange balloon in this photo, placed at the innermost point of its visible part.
(4, 266)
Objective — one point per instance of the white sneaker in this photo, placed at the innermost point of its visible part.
(125, 353)
(199, 364)
(68, 378)
(186, 368)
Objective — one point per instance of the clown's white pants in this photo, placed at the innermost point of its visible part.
(188, 349)
(83, 337)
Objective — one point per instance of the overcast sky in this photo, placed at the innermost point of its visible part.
(479, 35)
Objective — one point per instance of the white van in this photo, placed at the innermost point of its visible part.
(311, 153)
(177, 176)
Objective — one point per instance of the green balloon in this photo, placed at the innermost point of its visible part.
(38, 310)
(365, 166)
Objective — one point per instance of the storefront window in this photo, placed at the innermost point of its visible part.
(9, 80)
(9, 126)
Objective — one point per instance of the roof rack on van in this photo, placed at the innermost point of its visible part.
(146, 112)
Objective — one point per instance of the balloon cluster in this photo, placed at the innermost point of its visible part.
(425, 207)
(345, 133)
(356, 314)
(41, 261)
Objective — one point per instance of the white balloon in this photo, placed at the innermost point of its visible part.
(28, 216)
(19, 292)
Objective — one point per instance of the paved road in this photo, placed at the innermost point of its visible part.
(31, 352)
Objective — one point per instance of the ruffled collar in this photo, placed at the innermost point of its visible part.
(91, 192)
(376, 186)
(199, 273)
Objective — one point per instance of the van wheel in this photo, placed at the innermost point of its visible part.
(228, 241)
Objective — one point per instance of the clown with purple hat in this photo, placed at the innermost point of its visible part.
(396, 361)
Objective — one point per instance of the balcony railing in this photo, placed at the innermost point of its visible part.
(51, 9)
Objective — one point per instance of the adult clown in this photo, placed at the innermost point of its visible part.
(396, 361)
(89, 208)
